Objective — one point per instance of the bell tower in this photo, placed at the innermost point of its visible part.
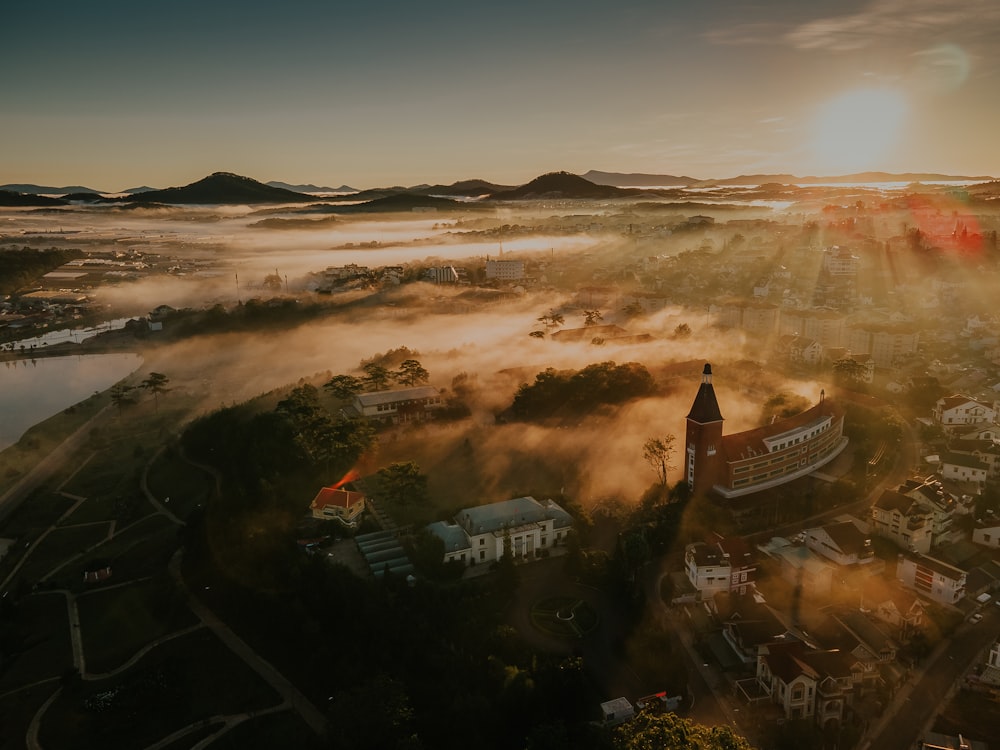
(703, 444)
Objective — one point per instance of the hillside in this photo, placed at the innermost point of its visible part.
(403, 202)
(221, 188)
(310, 188)
(562, 185)
(46, 189)
(463, 188)
(18, 198)
(638, 179)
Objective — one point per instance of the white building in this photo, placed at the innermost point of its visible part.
(842, 543)
(954, 411)
(931, 578)
(524, 526)
(504, 269)
(987, 534)
(403, 405)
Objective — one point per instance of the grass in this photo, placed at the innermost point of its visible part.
(187, 486)
(282, 729)
(119, 622)
(142, 550)
(57, 547)
(39, 441)
(16, 712)
(564, 617)
(41, 621)
(180, 682)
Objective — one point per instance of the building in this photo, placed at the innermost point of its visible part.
(952, 412)
(886, 343)
(335, 504)
(402, 405)
(755, 460)
(524, 527)
(503, 269)
(842, 543)
(918, 515)
(987, 533)
(722, 565)
(931, 578)
(442, 275)
(839, 261)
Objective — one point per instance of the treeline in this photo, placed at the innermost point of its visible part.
(569, 393)
(22, 267)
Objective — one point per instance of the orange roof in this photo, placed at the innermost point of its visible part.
(341, 498)
(737, 445)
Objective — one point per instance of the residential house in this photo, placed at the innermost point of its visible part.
(523, 527)
(843, 543)
(931, 578)
(952, 412)
(987, 533)
(896, 607)
(335, 504)
(724, 564)
(960, 467)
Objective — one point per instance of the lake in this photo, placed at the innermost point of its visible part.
(34, 390)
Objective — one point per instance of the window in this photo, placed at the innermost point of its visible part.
(482, 554)
(482, 542)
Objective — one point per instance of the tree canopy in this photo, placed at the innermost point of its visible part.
(662, 731)
(569, 393)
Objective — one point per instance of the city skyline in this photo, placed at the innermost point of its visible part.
(114, 96)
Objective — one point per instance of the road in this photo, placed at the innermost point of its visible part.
(914, 707)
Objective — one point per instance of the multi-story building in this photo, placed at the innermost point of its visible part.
(822, 325)
(839, 261)
(918, 515)
(504, 269)
(401, 405)
(746, 462)
(931, 578)
(886, 343)
(954, 412)
(722, 565)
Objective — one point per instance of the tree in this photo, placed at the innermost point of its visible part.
(121, 396)
(592, 317)
(551, 319)
(650, 730)
(401, 482)
(156, 384)
(537, 334)
(658, 451)
(632, 309)
(848, 371)
(344, 386)
(376, 377)
(411, 373)
(682, 331)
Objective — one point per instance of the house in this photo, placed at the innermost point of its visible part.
(523, 527)
(616, 711)
(749, 625)
(504, 269)
(721, 565)
(919, 514)
(960, 467)
(335, 504)
(843, 543)
(951, 412)
(932, 578)
(746, 462)
(896, 607)
(401, 405)
(987, 533)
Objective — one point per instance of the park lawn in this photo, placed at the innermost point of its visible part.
(112, 472)
(58, 547)
(41, 622)
(142, 549)
(180, 682)
(39, 511)
(40, 440)
(192, 738)
(187, 486)
(118, 622)
(281, 729)
(16, 712)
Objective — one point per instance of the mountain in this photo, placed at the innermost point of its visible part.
(221, 188)
(309, 188)
(136, 190)
(17, 198)
(562, 185)
(638, 179)
(47, 189)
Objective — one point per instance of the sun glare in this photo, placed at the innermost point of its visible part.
(857, 129)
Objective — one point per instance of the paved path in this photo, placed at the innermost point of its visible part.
(309, 713)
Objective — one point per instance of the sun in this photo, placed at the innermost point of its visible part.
(858, 129)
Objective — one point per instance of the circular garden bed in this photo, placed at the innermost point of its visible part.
(564, 617)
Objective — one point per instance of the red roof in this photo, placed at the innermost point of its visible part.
(737, 445)
(341, 498)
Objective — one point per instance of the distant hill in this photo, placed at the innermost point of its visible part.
(638, 179)
(404, 202)
(621, 179)
(221, 188)
(310, 188)
(136, 190)
(562, 185)
(87, 197)
(14, 198)
(463, 188)
(47, 189)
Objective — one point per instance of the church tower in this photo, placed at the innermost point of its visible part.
(703, 446)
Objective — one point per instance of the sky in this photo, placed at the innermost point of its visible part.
(114, 95)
